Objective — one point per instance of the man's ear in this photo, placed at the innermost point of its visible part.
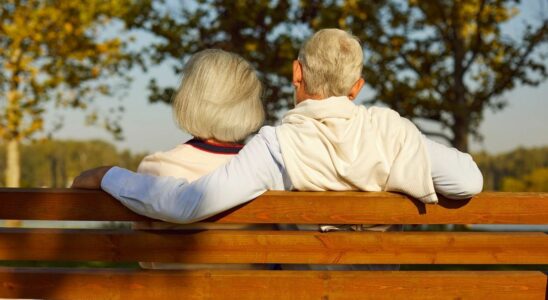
(356, 88)
(297, 73)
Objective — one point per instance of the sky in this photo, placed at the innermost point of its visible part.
(150, 127)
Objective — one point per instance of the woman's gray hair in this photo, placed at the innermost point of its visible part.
(332, 62)
(219, 97)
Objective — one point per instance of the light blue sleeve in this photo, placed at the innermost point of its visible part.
(249, 174)
(454, 173)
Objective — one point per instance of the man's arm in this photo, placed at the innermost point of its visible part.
(454, 173)
(258, 167)
(249, 174)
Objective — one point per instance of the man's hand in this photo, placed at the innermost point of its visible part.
(90, 179)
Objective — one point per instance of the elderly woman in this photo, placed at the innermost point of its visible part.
(218, 103)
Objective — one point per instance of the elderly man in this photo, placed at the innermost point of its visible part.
(325, 143)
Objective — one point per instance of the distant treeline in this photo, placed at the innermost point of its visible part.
(521, 170)
(56, 163)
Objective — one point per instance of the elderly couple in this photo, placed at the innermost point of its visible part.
(325, 143)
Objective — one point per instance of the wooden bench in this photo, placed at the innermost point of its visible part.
(528, 250)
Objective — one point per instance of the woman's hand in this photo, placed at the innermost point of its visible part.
(90, 179)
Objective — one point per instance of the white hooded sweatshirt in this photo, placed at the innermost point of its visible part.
(333, 144)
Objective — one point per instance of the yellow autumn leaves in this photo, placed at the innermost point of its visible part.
(53, 50)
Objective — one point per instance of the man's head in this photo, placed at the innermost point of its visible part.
(330, 64)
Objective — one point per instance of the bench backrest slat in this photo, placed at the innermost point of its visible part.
(78, 284)
(228, 246)
(293, 208)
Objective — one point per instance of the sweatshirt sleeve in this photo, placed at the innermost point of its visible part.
(454, 173)
(248, 175)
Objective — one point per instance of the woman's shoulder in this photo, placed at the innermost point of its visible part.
(182, 160)
(174, 152)
(177, 150)
(154, 163)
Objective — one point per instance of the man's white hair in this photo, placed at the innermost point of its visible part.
(219, 97)
(332, 62)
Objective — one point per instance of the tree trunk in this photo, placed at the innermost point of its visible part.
(53, 170)
(460, 134)
(13, 172)
(460, 125)
(460, 141)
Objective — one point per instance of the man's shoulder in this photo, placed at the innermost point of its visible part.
(382, 111)
(267, 131)
(381, 117)
(268, 135)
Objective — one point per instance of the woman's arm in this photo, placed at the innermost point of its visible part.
(454, 173)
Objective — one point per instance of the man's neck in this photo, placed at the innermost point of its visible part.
(304, 96)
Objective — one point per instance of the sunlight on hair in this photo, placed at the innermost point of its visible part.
(219, 97)
(332, 62)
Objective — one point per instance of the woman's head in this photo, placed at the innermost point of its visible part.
(219, 97)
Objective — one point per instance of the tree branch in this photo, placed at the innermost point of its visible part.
(436, 117)
(535, 40)
(441, 10)
(476, 47)
(417, 71)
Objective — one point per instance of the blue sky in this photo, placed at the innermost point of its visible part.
(150, 127)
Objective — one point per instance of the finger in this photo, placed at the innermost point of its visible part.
(76, 183)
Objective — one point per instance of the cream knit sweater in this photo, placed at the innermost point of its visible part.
(333, 144)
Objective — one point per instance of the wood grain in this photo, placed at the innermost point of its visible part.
(111, 284)
(228, 246)
(292, 207)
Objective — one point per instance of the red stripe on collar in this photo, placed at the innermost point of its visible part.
(214, 148)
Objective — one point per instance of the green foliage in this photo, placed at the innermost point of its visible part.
(260, 31)
(511, 184)
(441, 61)
(56, 50)
(524, 170)
(69, 52)
(536, 181)
(56, 163)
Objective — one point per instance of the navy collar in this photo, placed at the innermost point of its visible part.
(214, 148)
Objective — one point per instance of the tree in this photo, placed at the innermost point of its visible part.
(58, 51)
(266, 33)
(536, 181)
(257, 30)
(55, 163)
(441, 61)
(517, 170)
